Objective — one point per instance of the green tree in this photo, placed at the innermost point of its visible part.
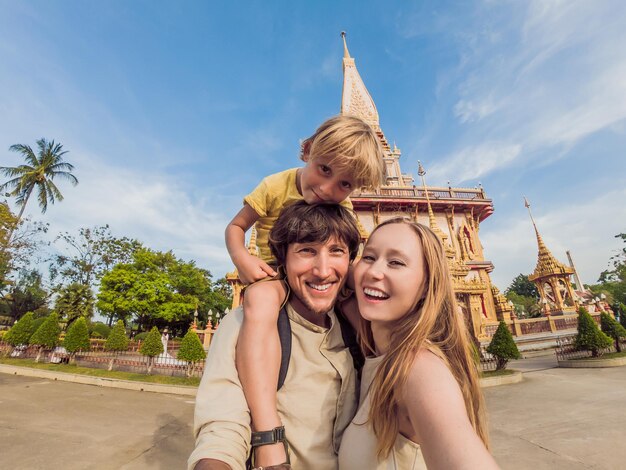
(39, 171)
(152, 347)
(525, 307)
(117, 341)
(612, 282)
(613, 329)
(26, 295)
(521, 285)
(100, 329)
(86, 257)
(75, 301)
(19, 241)
(157, 289)
(191, 350)
(21, 332)
(503, 346)
(47, 335)
(589, 337)
(77, 338)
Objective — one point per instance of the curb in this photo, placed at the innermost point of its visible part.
(515, 377)
(593, 363)
(100, 381)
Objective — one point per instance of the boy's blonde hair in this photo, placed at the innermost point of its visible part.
(350, 144)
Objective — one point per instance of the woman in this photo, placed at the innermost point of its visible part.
(421, 404)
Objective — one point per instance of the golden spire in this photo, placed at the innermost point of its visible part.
(546, 263)
(431, 216)
(346, 54)
(355, 99)
(252, 248)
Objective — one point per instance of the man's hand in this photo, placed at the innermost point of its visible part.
(211, 464)
(253, 269)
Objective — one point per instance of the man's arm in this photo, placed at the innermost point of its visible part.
(222, 418)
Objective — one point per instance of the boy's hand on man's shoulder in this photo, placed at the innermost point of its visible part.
(252, 269)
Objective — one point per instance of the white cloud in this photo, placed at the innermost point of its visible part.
(541, 78)
(472, 162)
(585, 228)
(154, 208)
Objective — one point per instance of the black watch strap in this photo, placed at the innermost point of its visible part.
(263, 438)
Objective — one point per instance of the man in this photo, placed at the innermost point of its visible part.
(315, 245)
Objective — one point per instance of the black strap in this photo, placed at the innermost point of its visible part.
(349, 339)
(284, 333)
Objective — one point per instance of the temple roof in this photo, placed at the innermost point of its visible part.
(547, 264)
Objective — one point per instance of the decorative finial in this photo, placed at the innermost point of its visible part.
(346, 54)
(420, 169)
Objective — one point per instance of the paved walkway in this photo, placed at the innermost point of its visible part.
(555, 419)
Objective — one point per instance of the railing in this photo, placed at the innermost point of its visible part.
(566, 322)
(433, 193)
(566, 349)
(488, 362)
(128, 361)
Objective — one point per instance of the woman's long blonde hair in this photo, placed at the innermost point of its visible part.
(435, 322)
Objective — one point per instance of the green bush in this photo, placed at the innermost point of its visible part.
(77, 337)
(101, 329)
(612, 328)
(589, 337)
(503, 346)
(21, 331)
(191, 348)
(152, 347)
(47, 335)
(141, 336)
(117, 340)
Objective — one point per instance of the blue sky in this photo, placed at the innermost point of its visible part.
(173, 111)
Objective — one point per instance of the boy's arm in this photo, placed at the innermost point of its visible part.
(250, 267)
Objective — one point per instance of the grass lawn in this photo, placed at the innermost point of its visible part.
(496, 373)
(73, 369)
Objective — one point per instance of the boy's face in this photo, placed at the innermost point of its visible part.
(322, 183)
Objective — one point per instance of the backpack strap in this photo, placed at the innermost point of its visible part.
(284, 334)
(349, 339)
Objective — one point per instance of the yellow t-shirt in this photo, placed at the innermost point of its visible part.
(274, 193)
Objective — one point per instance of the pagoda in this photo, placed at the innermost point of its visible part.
(454, 214)
(552, 278)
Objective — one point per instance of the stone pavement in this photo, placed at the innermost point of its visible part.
(555, 419)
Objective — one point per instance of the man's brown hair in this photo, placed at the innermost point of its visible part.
(313, 223)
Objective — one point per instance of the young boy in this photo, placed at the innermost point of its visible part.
(344, 154)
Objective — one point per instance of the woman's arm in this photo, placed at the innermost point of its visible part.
(434, 403)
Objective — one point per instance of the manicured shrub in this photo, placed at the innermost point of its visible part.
(21, 332)
(152, 347)
(117, 341)
(191, 350)
(77, 337)
(503, 346)
(589, 337)
(47, 335)
(612, 328)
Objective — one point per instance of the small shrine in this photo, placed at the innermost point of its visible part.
(552, 278)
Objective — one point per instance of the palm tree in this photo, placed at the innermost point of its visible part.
(39, 171)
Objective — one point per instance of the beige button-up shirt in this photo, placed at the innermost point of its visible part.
(316, 402)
